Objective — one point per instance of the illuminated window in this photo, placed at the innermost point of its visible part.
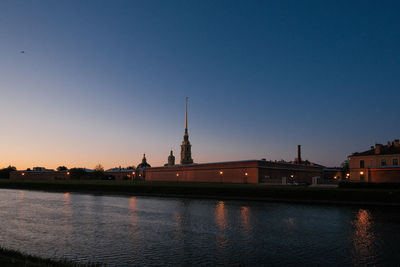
(383, 162)
(361, 163)
(396, 161)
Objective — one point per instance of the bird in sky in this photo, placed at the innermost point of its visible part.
(22, 52)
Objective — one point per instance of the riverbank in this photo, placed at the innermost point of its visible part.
(9, 257)
(300, 194)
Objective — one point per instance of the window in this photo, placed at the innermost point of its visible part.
(361, 163)
(395, 161)
(383, 162)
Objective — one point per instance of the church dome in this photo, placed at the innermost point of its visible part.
(144, 163)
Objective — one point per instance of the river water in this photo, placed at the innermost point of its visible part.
(145, 231)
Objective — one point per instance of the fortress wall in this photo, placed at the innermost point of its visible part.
(275, 174)
(234, 172)
(39, 175)
(231, 173)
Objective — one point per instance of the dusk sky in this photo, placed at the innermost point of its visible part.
(106, 81)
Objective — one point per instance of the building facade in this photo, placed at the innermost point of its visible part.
(248, 171)
(378, 164)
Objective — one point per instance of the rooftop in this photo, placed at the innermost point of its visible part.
(379, 149)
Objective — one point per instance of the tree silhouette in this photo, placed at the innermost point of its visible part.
(99, 168)
(62, 168)
(5, 173)
(345, 166)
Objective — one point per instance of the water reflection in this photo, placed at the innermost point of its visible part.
(132, 204)
(146, 231)
(245, 219)
(221, 238)
(220, 215)
(19, 209)
(67, 198)
(291, 222)
(67, 213)
(132, 211)
(21, 195)
(363, 238)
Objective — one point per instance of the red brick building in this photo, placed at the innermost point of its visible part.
(249, 171)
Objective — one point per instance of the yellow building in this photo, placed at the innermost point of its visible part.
(378, 164)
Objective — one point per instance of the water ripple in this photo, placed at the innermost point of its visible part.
(146, 231)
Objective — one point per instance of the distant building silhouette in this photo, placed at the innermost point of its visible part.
(144, 163)
(171, 159)
(245, 171)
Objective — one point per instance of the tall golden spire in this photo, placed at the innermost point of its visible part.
(186, 120)
(186, 151)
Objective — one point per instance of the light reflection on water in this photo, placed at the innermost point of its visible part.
(363, 238)
(147, 231)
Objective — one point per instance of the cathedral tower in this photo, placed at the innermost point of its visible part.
(186, 147)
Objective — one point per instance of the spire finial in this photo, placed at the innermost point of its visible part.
(186, 120)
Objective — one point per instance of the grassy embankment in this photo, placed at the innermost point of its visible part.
(10, 257)
(215, 190)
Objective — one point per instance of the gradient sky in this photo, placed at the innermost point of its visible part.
(105, 81)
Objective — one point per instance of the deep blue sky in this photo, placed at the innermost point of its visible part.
(105, 81)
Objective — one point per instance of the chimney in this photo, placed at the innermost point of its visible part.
(299, 153)
(388, 145)
(372, 148)
(378, 148)
(396, 143)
